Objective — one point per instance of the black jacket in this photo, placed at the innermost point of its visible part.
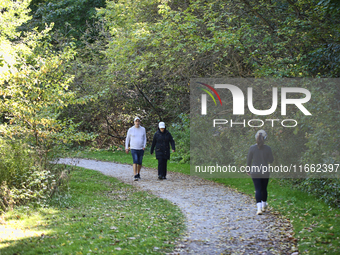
(162, 143)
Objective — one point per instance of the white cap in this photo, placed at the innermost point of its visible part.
(161, 125)
(137, 118)
(264, 134)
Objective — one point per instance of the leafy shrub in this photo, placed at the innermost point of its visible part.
(34, 186)
(327, 190)
(181, 134)
(6, 199)
(24, 177)
(16, 158)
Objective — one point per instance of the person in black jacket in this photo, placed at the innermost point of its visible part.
(259, 156)
(162, 141)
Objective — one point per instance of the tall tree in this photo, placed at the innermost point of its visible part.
(70, 17)
(33, 82)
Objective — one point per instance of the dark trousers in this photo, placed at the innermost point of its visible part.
(162, 164)
(260, 189)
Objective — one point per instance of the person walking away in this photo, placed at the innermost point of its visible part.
(259, 156)
(136, 138)
(162, 140)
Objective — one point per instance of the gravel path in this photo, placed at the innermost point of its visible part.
(219, 220)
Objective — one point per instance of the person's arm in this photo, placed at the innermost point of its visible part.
(172, 142)
(144, 142)
(249, 157)
(127, 141)
(153, 144)
(270, 156)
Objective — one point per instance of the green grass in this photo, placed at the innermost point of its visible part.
(97, 215)
(316, 224)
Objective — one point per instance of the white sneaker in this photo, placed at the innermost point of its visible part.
(259, 208)
(264, 206)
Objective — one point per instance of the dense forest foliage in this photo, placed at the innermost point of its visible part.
(76, 72)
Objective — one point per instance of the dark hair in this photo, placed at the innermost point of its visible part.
(260, 141)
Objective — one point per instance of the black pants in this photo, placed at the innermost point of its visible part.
(260, 189)
(162, 164)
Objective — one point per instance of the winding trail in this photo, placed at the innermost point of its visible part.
(219, 220)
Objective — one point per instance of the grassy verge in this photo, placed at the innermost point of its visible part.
(316, 224)
(98, 215)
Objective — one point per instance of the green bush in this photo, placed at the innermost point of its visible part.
(33, 186)
(16, 158)
(181, 134)
(328, 190)
(24, 177)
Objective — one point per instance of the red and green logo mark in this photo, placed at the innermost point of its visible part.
(209, 93)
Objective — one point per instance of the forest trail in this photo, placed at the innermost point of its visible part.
(219, 220)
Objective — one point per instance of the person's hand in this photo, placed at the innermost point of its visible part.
(143, 149)
(173, 150)
(127, 151)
